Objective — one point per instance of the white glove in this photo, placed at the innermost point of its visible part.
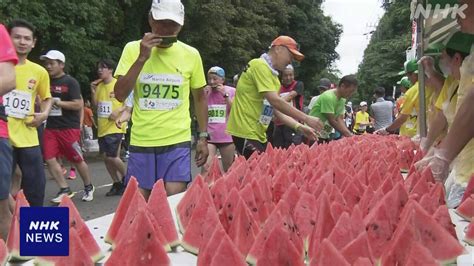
(439, 165)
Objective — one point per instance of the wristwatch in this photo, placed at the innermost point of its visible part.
(226, 95)
(203, 135)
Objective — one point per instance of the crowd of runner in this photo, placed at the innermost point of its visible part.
(43, 114)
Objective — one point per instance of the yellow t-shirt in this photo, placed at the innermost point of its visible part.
(106, 104)
(251, 113)
(361, 118)
(31, 80)
(447, 99)
(161, 93)
(411, 107)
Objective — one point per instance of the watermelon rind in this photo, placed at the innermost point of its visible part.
(469, 237)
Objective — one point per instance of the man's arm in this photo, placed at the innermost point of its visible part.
(290, 122)
(7, 77)
(200, 107)
(436, 127)
(337, 122)
(75, 105)
(401, 119)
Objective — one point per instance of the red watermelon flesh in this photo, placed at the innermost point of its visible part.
(140, 245)
(280, 185)
(387, 185)
(290, 226)
(411, 180)
(397, 252)
(421, 187)
(324, 225)
(261, 202)
(337, 209)
(227, 214)
(3, 252)
(121, 211)
(219, 193)
(429, 203)
(13, 239)
(466, 209)
(357, 221)
(137, 202)
(78, 254)
(209, 249)
(232, 179)
(444, 219)
(227, 254)
(362, 262)
(278, 249)
(427, 175)
(329, 255)
(76, 222)
(379, 229)
(204, 217)
(292, 196)
(357, 248)
(257, 248)
(352, 194)
(419, 255)
(159, 207)
(335, 194)
(395, 200)
(246, 194)
(243, 229)
(305, 216)
(375, 178)
(214, 171)
(437, 192)
(469, 190)
(366, 200)
(342, 234)
(248, 177)
(186, 205)
(469, 237)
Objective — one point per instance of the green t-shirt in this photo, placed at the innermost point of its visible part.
(251, 113)
(328, 103)
(161, 93)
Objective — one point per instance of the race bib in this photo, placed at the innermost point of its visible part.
(17, 103)
(104, 109)
(217, 114)
(160, 92)
(56, 110)
(362, 127)
(267, 113)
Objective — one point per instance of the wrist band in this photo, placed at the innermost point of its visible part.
(298, 125)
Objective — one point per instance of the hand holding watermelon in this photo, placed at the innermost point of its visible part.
(314, 122)
(308, 132)
(439, 165)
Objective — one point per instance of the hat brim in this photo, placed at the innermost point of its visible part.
(45, 57)
(296, 54)
(159, 15)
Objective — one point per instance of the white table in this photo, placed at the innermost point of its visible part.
(468, 258)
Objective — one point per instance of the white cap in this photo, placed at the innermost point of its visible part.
(168, 9)
(54, 55)
(363, 104)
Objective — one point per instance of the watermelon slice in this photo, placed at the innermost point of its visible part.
(280, 184)
(246, 194)
(262, 203)
(278, 249)
(469, 237)
(3, 252)
(227, 254)
(357, 221)
(244, 229)
(362, 262)
(214, 171)
(337, 209)
(78, 254)
(324, 225)
(186, 205)
(159, 207)
(291, 196)
(329, 255)
(466, 209)
(357, 248)
(341, 234)
(421, 187)
(121, 211)
(219, 193)
(420, 255)
(227, 214)
(13, 240)
(429, 203)
(76, 222)
(140, 245)
(209, 249)
(352, 194)
(444, 219)
(305, 217)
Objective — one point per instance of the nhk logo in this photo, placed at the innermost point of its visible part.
(418, 10)
(44, 231)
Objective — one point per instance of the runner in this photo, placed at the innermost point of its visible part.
(110, 137)
(219, 102)
(163, 72)
(257, 100)
(63, 134)
(381, 110)
(31, 80)
(404, 85)
(362, 120)
(291, 91)
(8, 60)
(330, 108)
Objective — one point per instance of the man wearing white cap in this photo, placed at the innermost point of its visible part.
(162, 73)
(62, 134)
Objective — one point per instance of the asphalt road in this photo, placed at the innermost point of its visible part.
(101, 205)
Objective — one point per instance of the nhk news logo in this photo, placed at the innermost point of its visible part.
(436, 11)
(44, 231)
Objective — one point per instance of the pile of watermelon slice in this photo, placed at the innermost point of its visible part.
(342, 203)
(466, 211)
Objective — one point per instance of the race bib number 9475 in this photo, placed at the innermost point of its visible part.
(17, 103)
(160, 92)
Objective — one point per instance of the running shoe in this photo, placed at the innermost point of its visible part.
(63, 192)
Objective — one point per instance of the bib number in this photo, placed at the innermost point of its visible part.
(56, 110)
(104, 109)
(217, 114)
(267, 113)
(160, 97)
(17, 103)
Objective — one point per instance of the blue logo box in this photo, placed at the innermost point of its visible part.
(44, 231)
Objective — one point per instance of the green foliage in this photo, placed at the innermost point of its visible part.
(385, 54)
(226, 32)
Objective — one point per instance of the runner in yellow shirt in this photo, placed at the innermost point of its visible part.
(362, 120)
(31, 80)
(110, 136)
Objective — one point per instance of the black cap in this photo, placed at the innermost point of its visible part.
(324, 83)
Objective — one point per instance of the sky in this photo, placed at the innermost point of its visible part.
(357, 17)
